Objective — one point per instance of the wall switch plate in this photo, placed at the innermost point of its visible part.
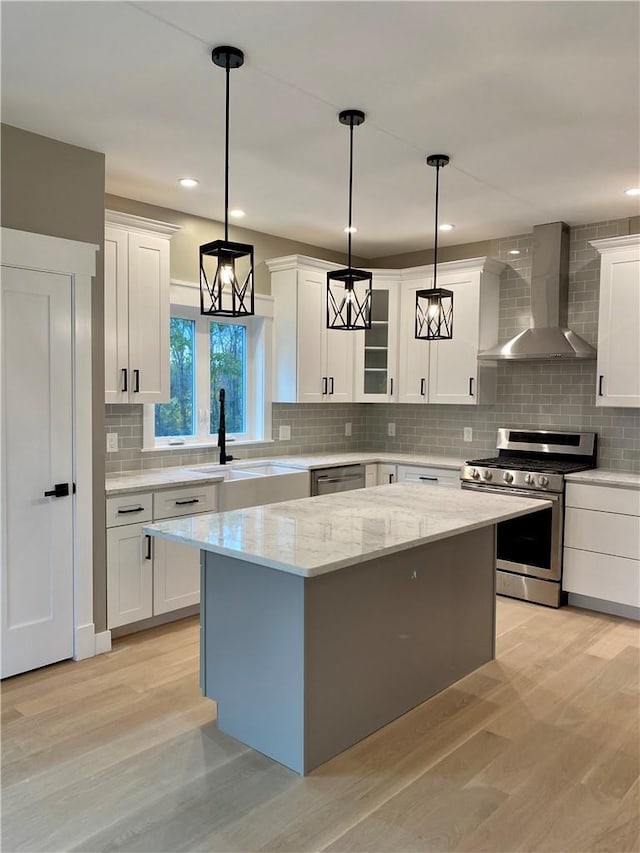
(347, 429)
(391, 429)
(112, 442)
(284, 433)
(468, 434)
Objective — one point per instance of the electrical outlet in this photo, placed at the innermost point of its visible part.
(284, 433)
(468, 434)
(347, 429)
(112, 442)
(391, 429)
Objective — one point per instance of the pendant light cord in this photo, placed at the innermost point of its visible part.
(435, 249)
(350, 192)
(226, 158)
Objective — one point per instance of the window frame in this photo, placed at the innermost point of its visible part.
(257, 377)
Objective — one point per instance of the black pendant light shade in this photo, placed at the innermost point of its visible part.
(226, 268)
(434, 307)
(349, 290)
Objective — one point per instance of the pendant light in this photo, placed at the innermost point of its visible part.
(434, 307)
(349, 290)
(224, 264)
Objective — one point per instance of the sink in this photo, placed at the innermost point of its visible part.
(241, 475)
(222, 471)
(268, 469)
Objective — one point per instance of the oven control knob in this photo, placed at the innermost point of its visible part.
(507, 477)
(475, 474)
(486, 474)
(543, 481)
(528, 478)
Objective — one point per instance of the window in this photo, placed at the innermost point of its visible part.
(205, 355)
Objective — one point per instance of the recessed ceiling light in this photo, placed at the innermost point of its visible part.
(446, 227)
(633, 191)
(514, 251)
(237, 213)
(188, 182)
(352, 230)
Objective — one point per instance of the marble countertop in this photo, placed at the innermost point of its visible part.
(603, 477)
(159, 478)
(313, 536)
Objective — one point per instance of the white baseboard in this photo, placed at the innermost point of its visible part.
(88, 643)
(103, 642)
(85, 642)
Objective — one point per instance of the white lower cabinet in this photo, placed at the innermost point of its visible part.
(602, 546)
(129, 575)
(371, 475)
(176, 576)
(429, 476)
(387, 474)
(148, 577)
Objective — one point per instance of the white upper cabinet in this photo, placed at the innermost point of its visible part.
(618, 374)
(136, 309)
(376, 349)
(448, 371)
(312, 364)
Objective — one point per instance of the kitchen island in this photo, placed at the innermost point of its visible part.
(325, 618)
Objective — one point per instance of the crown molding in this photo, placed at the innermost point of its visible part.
(116, 219)
(611, 244)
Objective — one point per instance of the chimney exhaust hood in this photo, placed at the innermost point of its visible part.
(548, 336)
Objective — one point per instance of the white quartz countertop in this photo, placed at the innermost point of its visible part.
(603, 477)
(159, 478)
(313, 536)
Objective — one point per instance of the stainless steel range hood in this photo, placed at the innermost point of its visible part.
(548, 336)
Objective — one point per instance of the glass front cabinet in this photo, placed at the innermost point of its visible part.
(376, 349)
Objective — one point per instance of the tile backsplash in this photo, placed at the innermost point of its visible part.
(547, 394)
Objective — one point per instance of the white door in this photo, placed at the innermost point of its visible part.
(619, 330)
(129, 575)
(339, 361)
(116, 317)
(413, 379)
(453, 365)
(37, 450)
(376, 349)
(176, 576)
(312, 311)
(149, 279)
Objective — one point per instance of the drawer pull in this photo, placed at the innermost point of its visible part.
(190, 501)
(431, 479)
(133, 509)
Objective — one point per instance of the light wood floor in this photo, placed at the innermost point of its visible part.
(536, 751)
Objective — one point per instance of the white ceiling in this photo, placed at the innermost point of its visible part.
(537, 103)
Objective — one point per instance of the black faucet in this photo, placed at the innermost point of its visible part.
(222, 433)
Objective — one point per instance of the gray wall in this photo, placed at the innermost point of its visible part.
(194, 231)
(551, 394)
(49, 187)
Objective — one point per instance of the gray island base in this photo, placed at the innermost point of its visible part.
(304, 667)
(325, 618)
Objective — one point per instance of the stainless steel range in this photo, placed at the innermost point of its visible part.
(532, 463)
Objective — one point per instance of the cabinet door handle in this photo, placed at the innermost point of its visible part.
(125, 384)
(190, 501)
(136, 381)
(147, 555)
(133, 509)
(391, 387)
(391, 478)
(471, 386)
(331, 385)
(423, 387)
(600, 381)
(324, 384)
(431, 479)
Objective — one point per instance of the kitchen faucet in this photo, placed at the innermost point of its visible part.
(222, 433)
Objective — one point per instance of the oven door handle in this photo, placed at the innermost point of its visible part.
(520, 493)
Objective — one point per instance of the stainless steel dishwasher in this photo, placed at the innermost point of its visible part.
(326, 481)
